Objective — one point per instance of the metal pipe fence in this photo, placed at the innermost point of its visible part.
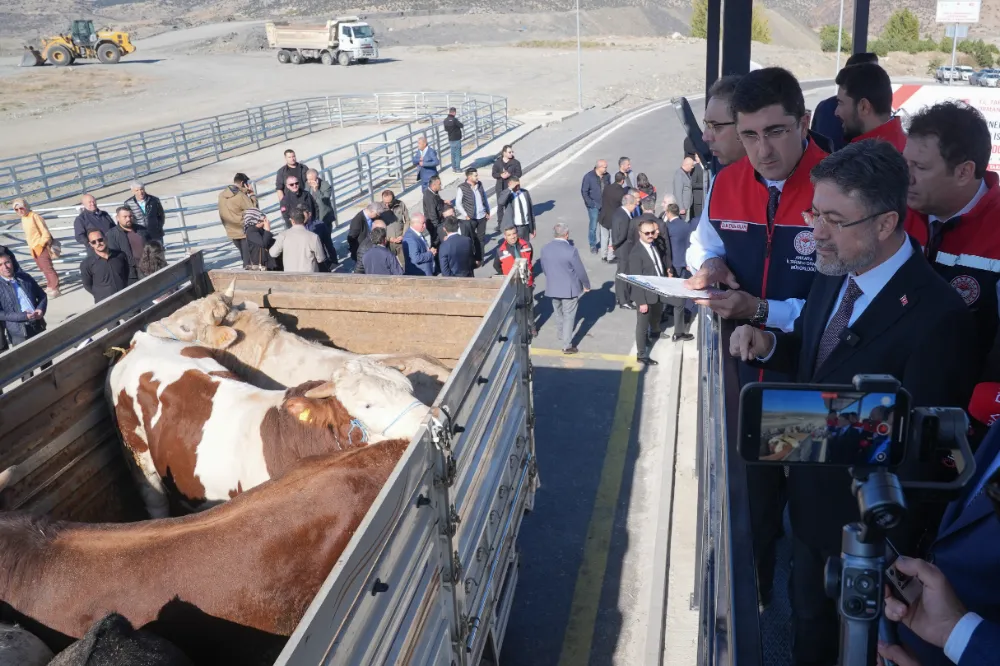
(355, 171)
(64, 172)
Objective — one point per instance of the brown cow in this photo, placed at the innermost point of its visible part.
(267, 355)
(253, 564)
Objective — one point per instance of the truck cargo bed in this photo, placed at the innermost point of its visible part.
(428, 577)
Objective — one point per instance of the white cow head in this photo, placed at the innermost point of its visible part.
(378, 396)
(200, 321)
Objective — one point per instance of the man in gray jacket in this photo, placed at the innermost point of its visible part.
(565, 281)
(301, 250)
(682, 187)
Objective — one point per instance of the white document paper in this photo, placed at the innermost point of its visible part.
(666, 286)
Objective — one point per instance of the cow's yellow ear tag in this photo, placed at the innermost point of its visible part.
(304, 415)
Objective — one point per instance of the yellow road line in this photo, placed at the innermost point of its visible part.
(589, 356)
(587, 593)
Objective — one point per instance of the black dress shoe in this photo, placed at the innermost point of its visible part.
(683, 336)
(646, 361)
(595, 250)
(626, 306)
(570, 350)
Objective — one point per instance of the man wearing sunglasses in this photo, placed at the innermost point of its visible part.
(875, 307)
(104, 272)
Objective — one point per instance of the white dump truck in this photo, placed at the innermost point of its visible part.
(343, 40)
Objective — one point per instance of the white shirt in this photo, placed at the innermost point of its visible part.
(870, 283)
(707, 244)
(460, 211)
(960, 636)
(980, 193)
(655, 257)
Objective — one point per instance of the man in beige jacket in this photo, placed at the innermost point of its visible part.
(233, 200)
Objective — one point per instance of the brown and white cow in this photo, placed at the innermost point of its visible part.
(254, 563)
(266, 354)
(199, 435)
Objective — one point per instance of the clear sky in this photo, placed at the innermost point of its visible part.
(781, 400)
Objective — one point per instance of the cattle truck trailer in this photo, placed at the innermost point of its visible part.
(429, 576)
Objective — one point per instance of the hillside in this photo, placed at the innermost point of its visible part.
(793, 22)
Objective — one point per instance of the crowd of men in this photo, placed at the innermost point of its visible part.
(880, 258)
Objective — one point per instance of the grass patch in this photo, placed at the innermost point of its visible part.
(559, 44)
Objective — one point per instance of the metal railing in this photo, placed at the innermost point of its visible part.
(726, 586)
(355, 171)
(64, 172)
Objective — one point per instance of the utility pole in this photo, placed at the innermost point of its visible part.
(579, 61)
(954, 44)
(840, 35)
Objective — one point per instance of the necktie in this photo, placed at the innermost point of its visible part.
(938, 230)
(773, 195)
(656, 260)
(831, 336)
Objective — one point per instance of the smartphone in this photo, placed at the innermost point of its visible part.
(803, 424)
(905, 588)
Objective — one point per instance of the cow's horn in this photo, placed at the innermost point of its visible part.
(231, 290)
(6, 476)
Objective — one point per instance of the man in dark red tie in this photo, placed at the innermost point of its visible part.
(875, 307)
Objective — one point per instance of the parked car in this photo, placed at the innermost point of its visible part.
(944, 74)
(990, 79)
(965, 71)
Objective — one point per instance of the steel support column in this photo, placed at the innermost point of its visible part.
(736, 18)
(713, 31)
(861, 8)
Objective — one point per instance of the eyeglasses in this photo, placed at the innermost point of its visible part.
(649, 233)
(97, 241)
(815, 220)
(292, 184)
(715, 127)
(770, 134)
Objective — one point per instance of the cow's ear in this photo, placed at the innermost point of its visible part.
(324, 390)
(300, 408)
(220, 337)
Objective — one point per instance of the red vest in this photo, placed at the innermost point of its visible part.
(969, 259)
(507, 258)
(891, 131)
(769, 262)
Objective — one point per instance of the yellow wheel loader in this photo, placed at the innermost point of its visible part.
(82, 41)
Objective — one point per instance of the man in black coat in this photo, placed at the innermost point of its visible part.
(504, 168)
(295, 196)
(434, 210)
(514, 204)
(646, 258)
(875, 307)
(147, 211)
(22, 304)
(128, 238)
(91, 217)
(457, 252)
(623, 232)
(104, 272)
(611, 201)
(361, 226)
(291, 168)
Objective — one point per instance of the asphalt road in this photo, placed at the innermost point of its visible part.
(579, 402)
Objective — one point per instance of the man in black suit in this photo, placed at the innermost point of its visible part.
(622, 237)
(645, 259)
(611, 200)
(876, 306)
(434, 210)
(457, 252)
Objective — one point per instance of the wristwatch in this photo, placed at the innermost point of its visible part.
(759, 317)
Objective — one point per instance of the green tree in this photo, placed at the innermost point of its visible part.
(699, 19)
(933, 65)
(760, 29)
(828, 39)
(902, 27)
